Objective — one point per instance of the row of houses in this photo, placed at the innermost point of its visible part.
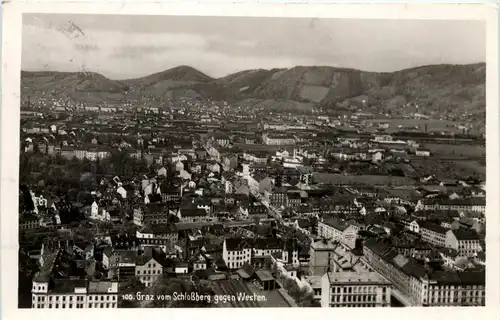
(52, 288)
(74, 294)
(474, 204)
(425, 285)
(465, 241)
(147, 265)
(92, 153)
(238, 251)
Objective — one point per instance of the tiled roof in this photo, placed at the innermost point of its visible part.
(465, 234)
(336, 224)
(433, 227)
(233, 244)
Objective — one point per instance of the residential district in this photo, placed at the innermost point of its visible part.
(124, 207)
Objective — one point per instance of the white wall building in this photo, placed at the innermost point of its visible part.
(353, 289)
(74, 294)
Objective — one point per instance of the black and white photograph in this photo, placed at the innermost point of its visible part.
(184, 161)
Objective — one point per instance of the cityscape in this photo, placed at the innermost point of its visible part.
(283, 186)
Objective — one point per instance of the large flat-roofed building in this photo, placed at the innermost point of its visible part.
(354, 289)
(102, 294)
(74, 294)
(278, 140)
(321, 257)
(333, 256)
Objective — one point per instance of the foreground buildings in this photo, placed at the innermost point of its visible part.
(317, 216)
(424, 285)
(352, 289)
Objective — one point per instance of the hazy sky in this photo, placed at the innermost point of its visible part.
(131, 46)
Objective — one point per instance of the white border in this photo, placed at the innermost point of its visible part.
(11, 54)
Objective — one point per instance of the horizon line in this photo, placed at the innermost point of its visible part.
(255, 69)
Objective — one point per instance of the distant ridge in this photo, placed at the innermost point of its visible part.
(180, 73)
(440, 89)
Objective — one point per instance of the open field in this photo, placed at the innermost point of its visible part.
(473, 165)
(456, 150)
(432, 125)
(445, 169)
(332, 178)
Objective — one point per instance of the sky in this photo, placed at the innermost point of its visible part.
(123, 47)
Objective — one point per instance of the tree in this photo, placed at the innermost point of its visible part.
(27, 200)
(287, 283)
(129, 304)
(256, 219)
(180, 286)
(86, 165)
(83, 197)
(134, 283)
(301, 295)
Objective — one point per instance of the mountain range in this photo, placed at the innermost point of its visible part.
(436, 89)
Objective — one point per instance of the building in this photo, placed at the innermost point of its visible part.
(73, 294)
(29, 221)
(150, 266)
(377, 156)
(257, 209)
(278, 197)
(230, 162)
(423, 152)
(411, 225)
(290, 254)
(433, 233)
(315, 282)
(334, 229)
(265, 280)
(164, 236)
(237, 252)
(461, 205)
(121, 260)
(99, 213)
(293, 199)
(465, 241)
(468, 223)
(222, 139)
(171, 195)
(321, 257)
(193, 215)
(424, 285)
(353, 289)
(200, 261)
(257, 157)
(138, 217)
(278, 140)
(265, 247)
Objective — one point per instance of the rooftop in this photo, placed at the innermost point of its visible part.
(264, 275)
(314, 281)
(323, 245)
(68, 286)
(103, 287)
(356, 278)
(466, 234)
(336, 224)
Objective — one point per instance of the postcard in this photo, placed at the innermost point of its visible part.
(249, 156)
